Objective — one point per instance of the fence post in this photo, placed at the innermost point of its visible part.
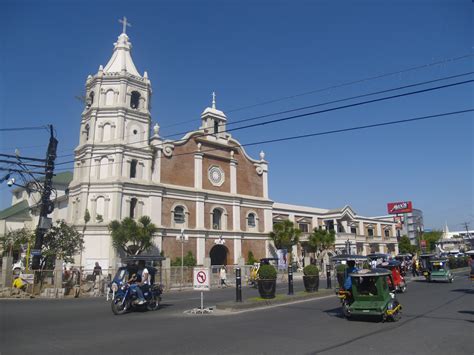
(7, 279)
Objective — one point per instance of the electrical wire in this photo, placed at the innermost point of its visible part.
(348, 83)
(320, 111)
(314, 134)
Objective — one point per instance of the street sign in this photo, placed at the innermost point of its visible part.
(36, 252)
(201, 279)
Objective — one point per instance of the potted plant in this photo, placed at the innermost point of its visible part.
(340, 274)
(267, 281)
(311, 278)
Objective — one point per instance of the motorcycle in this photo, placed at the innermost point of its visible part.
(124, 286)
(126, 299)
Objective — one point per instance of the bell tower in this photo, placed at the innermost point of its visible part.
(113, 147)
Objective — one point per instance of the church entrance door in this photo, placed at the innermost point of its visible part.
(218, 255)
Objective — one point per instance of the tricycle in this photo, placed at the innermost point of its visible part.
(438, 270)
(394, 266)
(134, 285)
(372, 295)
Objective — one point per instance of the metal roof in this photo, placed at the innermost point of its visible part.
(371, 272)
(15, 209)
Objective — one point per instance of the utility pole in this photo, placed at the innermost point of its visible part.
(46, 205)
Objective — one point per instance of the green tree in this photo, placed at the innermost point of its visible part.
(250, 258)
(189, 260)
(60, 241)
(404, 245)
(320, 241)
(431, 239)
(13, 241)
(285, 235)
(132, 237)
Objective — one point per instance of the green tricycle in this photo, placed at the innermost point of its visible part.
(372, 297)
(438, 270)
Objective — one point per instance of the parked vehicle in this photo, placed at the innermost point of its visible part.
(438, 270)
(124, 291)
(394, 266)
(372, 296)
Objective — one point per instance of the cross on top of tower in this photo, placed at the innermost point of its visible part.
(125, 24)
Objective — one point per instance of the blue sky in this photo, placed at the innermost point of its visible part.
(250, 52)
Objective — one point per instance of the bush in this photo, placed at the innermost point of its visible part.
(188, 260)
(267, 272)
(311, 270)
(366, 265)
(452, 262)
(341, 268)
(250, 258)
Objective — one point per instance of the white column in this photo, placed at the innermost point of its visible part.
(315, 222)
(156, 212)
(396, 249)
(200, 212)
(198, 170)
(361, 228)
(116, 201)
(345, 226)
(97, 168)
(236, 215)
(379, 229)
(264, 166)
(233, 176)
(156, 177)
(125, 207)
(200, 249)
(237, 249)
(268, 220)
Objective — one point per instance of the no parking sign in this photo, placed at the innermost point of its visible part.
(201, 279)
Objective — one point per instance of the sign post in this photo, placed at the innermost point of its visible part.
(201, 282)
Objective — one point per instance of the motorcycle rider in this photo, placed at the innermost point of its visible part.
(350, 268)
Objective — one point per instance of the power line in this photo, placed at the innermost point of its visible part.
(310, 106)
(321, 111)
(315, 134)
(341, 100)
(348, 83)
(22, 129)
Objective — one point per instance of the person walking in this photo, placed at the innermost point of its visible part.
(223, 276)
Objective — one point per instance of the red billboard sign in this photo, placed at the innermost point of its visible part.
(399, 207)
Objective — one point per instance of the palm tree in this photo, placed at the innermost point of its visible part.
(322, 241)
(131, 237)
(285, 235)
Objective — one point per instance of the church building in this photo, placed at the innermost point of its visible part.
(203, 189)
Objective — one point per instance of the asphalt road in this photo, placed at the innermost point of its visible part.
(437, 319)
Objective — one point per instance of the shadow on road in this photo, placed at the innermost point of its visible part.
(464, 290)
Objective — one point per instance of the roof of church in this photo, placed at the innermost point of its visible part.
(15, 209)
(121, 58)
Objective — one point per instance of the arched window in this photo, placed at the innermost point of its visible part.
(90, 99)
(87, 129)
(179, 215)
(104, 168)
(217, 219)
(133, 207)
(107, 132)
(135, 100)
(109, 97)
(100, 206)
(133, 168)
(216, 127)
(251, 222)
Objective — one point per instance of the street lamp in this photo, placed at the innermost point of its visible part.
(182, 239)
